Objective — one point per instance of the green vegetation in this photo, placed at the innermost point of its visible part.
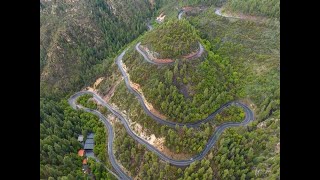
(190, 141)
(129, 152)
(270, 8)
(79, 40)
(99, 171)
(178, 140)
(252, 46)
(172, 39)
(189, 90)
(87, 101)
(78, 43)
(246, 153)
(243, 154)
(146, 165)
(59, 129)
(60, 126)
(169, 7)
(230, 114)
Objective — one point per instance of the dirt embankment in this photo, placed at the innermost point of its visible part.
(158, 143)
(193, 54)
(152, 56)
(95, 85)
(110, 93)
(190, 55)
(98, 81)
(138, 88)
(148, 105)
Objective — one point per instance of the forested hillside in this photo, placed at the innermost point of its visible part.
(172, 39)
(77, 36)
(190, 89)
(79, 42)
(270, 8)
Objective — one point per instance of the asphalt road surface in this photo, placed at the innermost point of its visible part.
(211, 142)
(199, 53)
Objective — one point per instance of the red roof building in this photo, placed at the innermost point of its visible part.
(81, 152)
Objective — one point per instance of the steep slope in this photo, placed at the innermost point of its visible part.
(188, 90)
(77, 35)
(246, 59)
(252, 152)
(241, 60)
(172, 39)
(78, 40)
(270, 8)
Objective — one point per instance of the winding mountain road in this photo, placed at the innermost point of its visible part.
(212, 140)
(146, 58)
(249, 116)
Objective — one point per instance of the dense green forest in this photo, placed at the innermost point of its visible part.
(253, 46)
(249, 153)
(99, 171)
(189, 90)
(79, 41)
(58, 144)
(185, 140)
(270, 8)
(177, 139)
(60, 126)
(172, 39)
(146, 165)
(86, 101)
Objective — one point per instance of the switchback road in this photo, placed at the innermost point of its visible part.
(211, 142)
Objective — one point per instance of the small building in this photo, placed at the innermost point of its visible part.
(80, 138)
(81, 152)
(90, 136)
(160, 18)
(89, 144)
